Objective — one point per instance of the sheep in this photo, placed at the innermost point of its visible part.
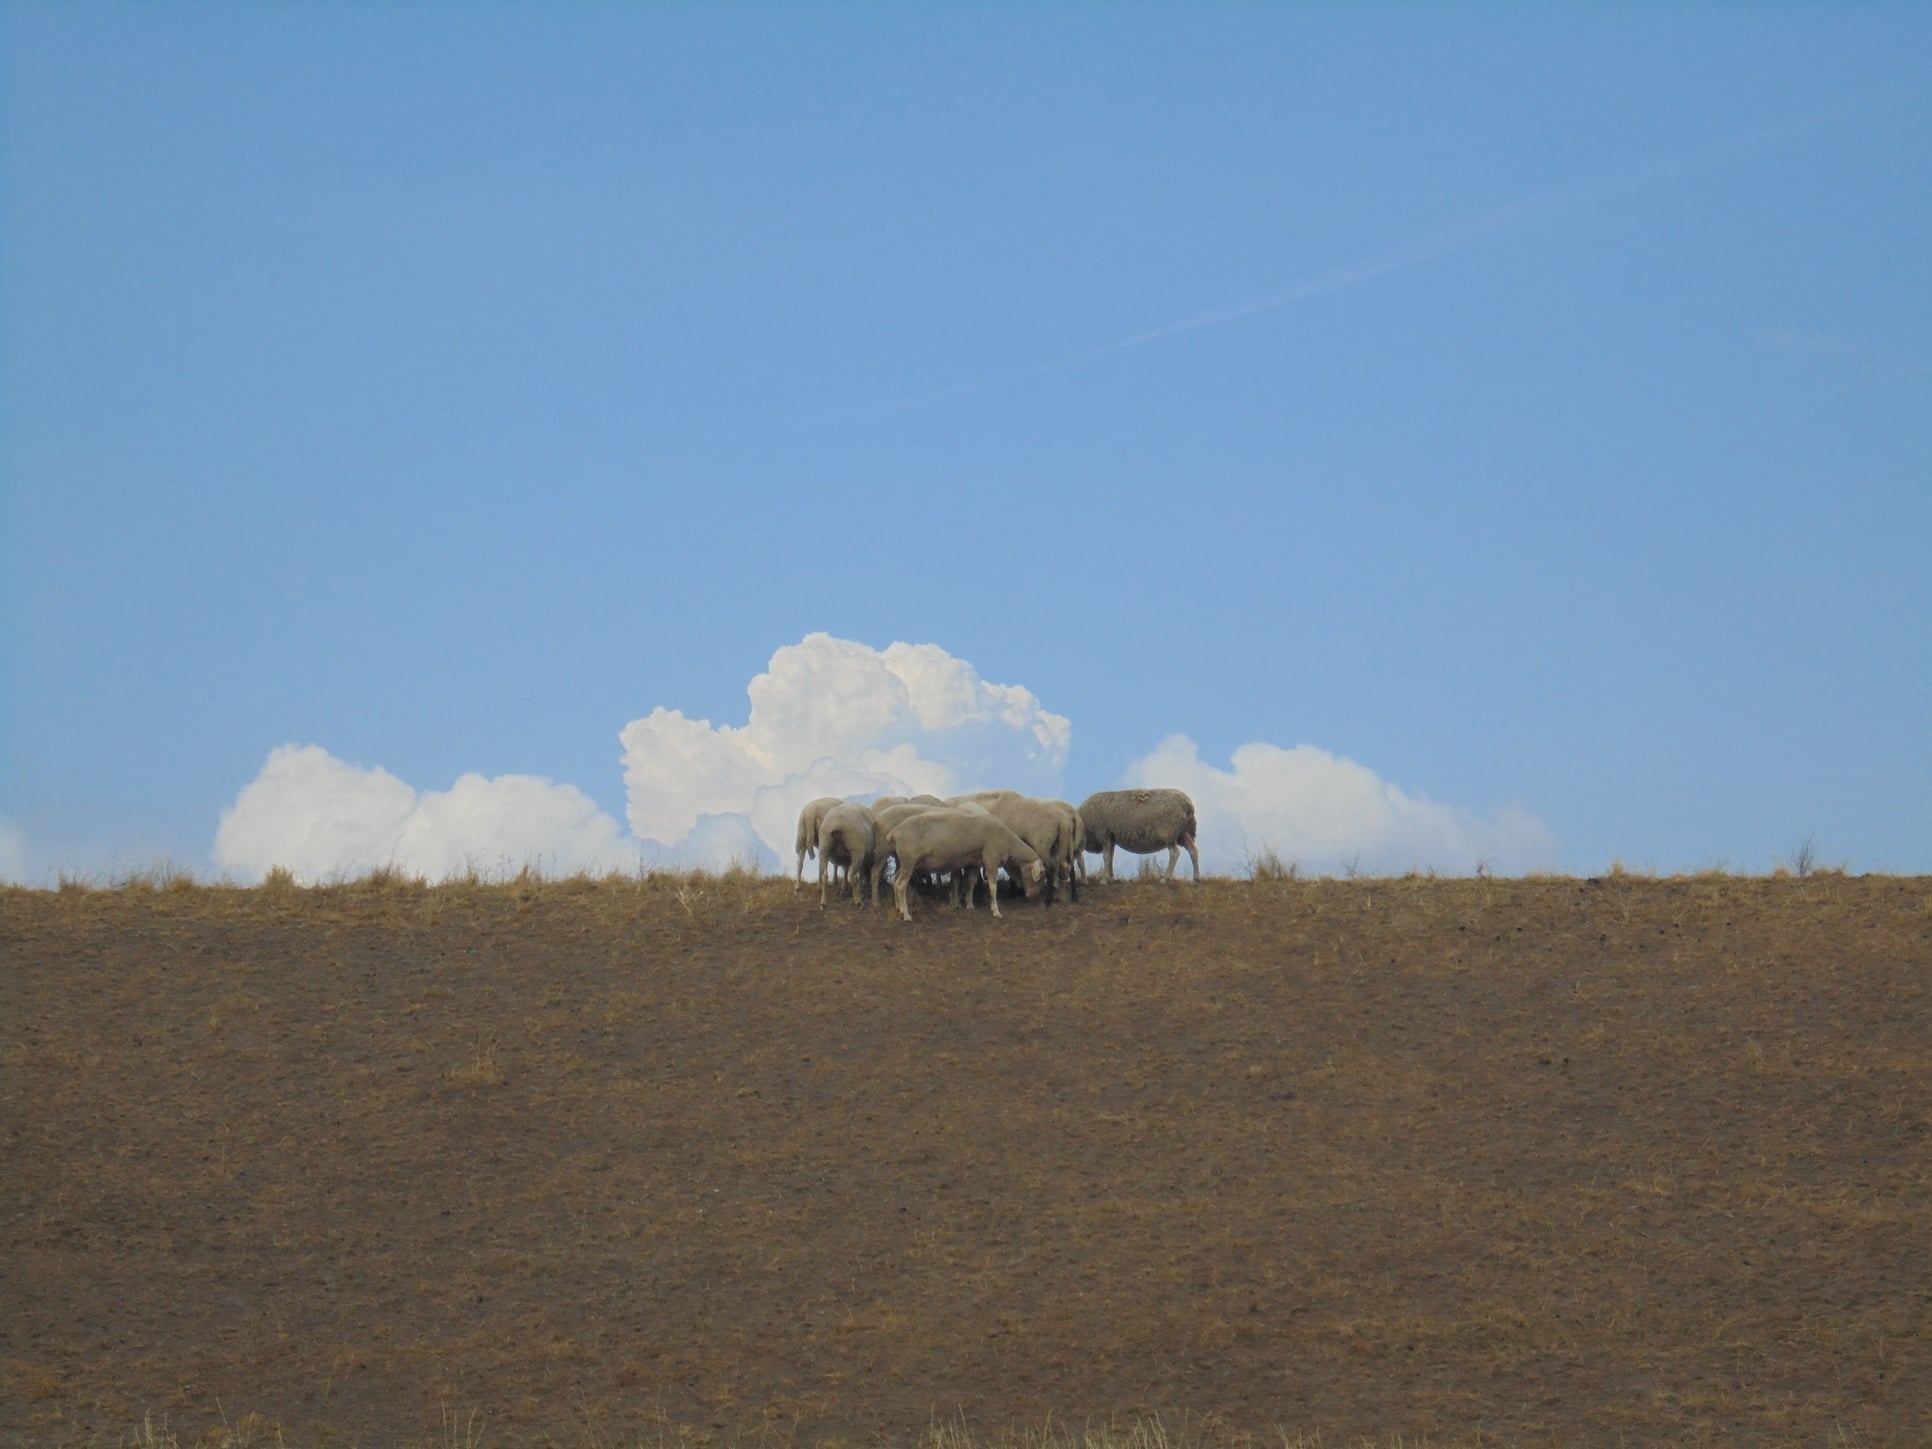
(986, 798)
(891, 815)
(883, 822)
(943, 840)
(846, 836)
(1050, 827)
(1076, 844)
(1141, 821)
(808, 824)
(886, 802)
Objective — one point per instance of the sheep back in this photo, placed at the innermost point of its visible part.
(1141, 821)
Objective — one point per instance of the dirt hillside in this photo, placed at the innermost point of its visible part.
(1526, 1162)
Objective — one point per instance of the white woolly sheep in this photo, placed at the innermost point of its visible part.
(948, 840)
(808, 823)
(884, 819)
(1049, 826)
(846, 837)
(1141, 821)
(986, 798)
(883, 822)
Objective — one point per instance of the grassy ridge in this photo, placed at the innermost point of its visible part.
(1465, 1160)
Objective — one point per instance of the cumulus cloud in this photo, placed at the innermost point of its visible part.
(1330, 814)
(13, 853)
(322, 818)
(835, 717)
(827, 717)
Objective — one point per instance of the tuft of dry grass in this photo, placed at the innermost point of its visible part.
(481, 1070)
(1266, 864)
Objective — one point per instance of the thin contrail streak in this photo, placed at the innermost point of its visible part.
(1457, 236)
(1461, 235)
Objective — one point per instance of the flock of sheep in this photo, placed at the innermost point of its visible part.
(971, 838)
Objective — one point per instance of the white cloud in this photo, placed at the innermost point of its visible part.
(827, 717)
(717, 842)
(835, 717)
(323, 818)
(1330, 814)
(13, 853)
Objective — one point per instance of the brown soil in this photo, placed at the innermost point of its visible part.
(1530, 1162)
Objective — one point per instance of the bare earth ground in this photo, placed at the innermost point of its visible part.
(1519, 1162)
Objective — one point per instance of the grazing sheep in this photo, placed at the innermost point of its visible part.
(808, 823)
(846, 837)
(1076, 843)
(986, 798)
(883, 822)
(947, 840)
(886, 802)
(1049, 826)
(891, 815)
(1141, 821)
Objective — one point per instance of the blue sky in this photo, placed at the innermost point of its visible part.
(1511, 425)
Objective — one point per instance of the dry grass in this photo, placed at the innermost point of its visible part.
(682, 1159)
(468, 1430)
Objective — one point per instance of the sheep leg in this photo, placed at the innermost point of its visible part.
(992, 870)
(821, 879)
(900, 882)
(1173, 857)
(1107, 858)
(1194, 855)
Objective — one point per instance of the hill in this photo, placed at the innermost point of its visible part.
(1544, 1161)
